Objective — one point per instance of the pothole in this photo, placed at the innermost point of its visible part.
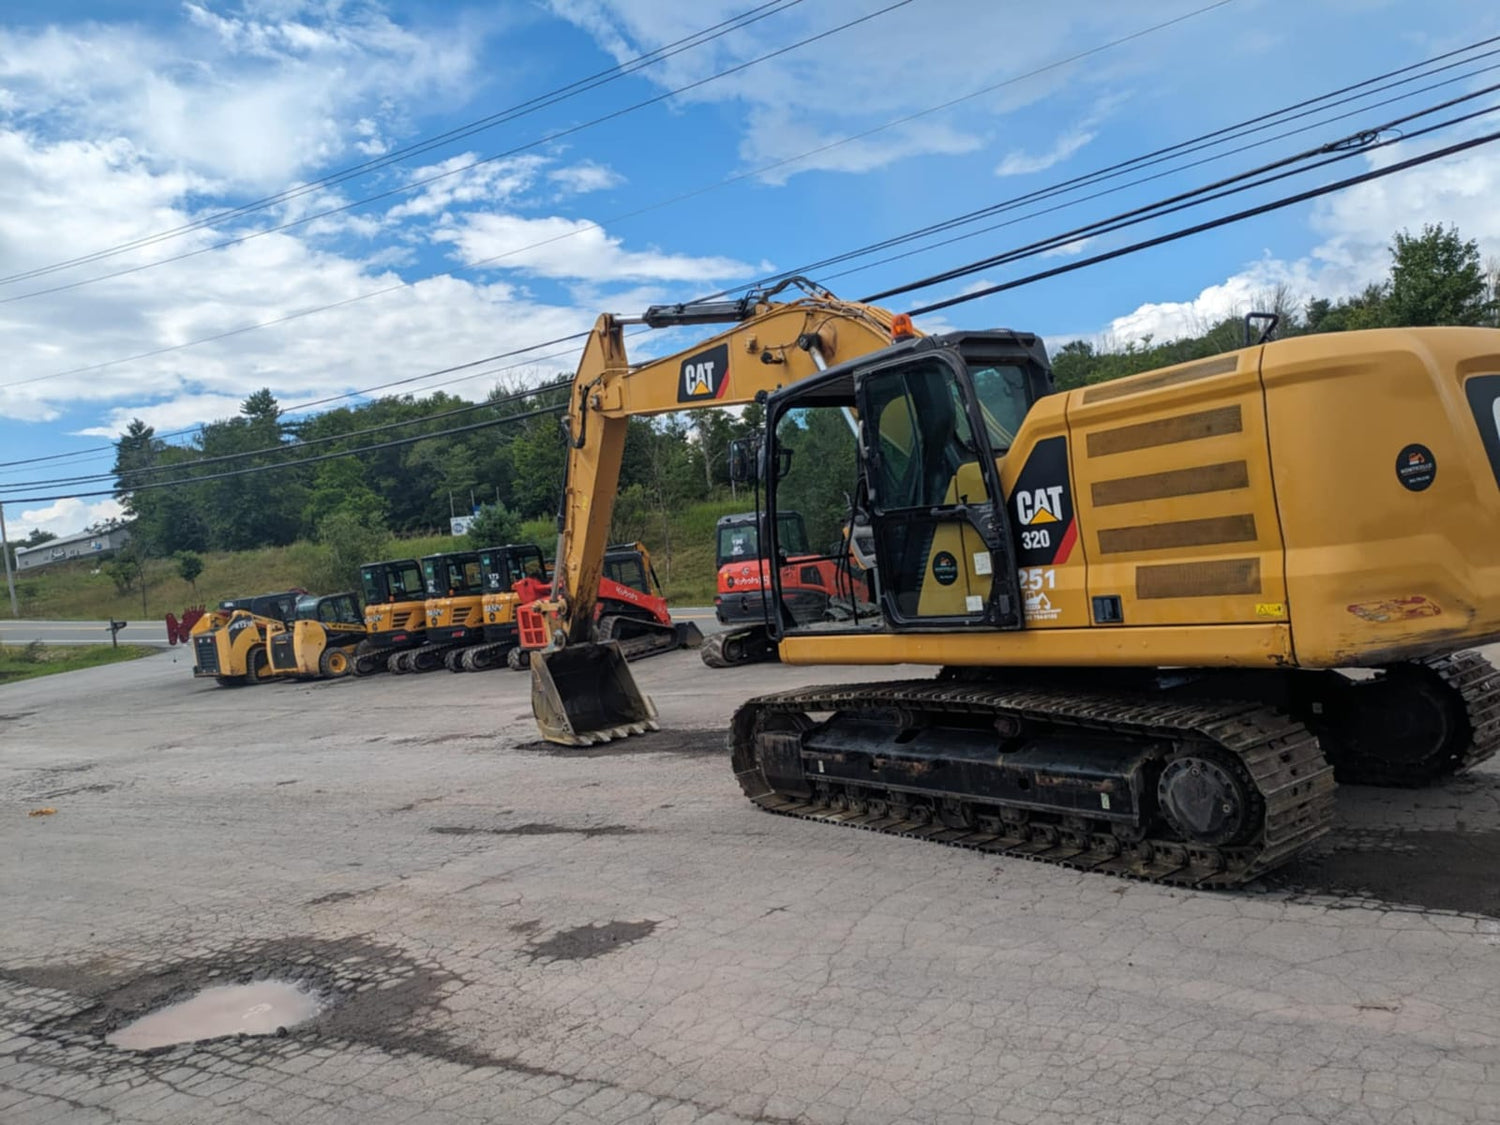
(264, 1007)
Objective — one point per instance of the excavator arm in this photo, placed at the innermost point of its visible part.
(583, 692)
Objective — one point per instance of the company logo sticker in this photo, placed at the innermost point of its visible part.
(944, 568)
(704, 375)
(1416, 467)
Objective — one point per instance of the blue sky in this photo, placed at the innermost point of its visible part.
(119, 121)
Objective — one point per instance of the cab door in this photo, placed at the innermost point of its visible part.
(941, 544)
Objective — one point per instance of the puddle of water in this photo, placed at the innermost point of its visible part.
(231, 1009)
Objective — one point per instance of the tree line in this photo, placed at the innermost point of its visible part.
(1435, 278)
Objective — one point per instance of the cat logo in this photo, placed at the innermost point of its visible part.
(1041, 505)
(704, 375)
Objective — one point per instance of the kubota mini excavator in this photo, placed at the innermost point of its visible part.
(813, 587)
(1138, 594)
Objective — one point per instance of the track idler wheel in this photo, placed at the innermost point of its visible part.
(737, 646)
(518, 659)
(454, 661)
(369, 663)
(1206, 797)
(424, 660)
(1406, 728)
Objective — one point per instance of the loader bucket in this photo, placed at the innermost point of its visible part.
(689, 635)
(585, 694)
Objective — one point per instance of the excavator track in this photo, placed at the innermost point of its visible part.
(638, 637)
(733, 647)
(1275, 760)
(1418, 723)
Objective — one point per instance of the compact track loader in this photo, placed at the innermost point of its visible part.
(321, 640)
(631, 610)
(1138, 598)
(229, 643)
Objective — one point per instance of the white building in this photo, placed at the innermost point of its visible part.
(71, 547)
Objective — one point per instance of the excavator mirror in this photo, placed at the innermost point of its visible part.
(783, 462)
(585, 693)
(742, 460)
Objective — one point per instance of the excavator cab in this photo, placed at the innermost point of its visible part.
(936, 416)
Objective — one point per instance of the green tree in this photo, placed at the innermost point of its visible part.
(345, 543)
(189, 566)
(37, 538)
(1436, 278)
(494, 526)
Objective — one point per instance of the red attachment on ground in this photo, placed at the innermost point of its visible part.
(180, 631)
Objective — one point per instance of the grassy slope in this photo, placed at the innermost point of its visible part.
(30, 661)
(71, 592)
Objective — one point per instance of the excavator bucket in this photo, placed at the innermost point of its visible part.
(688, 634)
(585, 694)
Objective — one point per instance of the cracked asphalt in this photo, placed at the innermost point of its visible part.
(509, 932)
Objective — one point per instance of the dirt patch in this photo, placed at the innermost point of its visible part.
(436, 739)
(540, 830)
(1434, 870)
(582, 943)
(16, 717)
(690, 743)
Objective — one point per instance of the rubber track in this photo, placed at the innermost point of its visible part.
(1280, 755)
(712, 650)
(660, 638)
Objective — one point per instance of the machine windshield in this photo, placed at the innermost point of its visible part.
(741, 541)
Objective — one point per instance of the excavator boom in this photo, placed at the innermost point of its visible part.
(583, 692)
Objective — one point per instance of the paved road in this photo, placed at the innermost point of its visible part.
(13, 632)
(515, 933)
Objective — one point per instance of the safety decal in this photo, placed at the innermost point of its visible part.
(1416, 467)
(944, 568)
(704, 374)
(1041, 505)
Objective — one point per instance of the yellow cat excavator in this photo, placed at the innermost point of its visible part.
(1139, 594)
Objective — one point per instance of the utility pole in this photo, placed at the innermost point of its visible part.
(10, 578)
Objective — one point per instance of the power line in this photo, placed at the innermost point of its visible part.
(520, 109)
(509, 418)
(1225, 220)
(415, 184)
(188, 467)
(1251, 126)
(1355, 145)
(349, 394)
(625, 215)
(1173, 236)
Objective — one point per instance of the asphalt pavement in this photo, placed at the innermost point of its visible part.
(506, 931)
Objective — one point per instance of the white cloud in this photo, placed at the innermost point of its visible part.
(1017, 163)
(492, 182)
(897, 64)
(254, 98)
(62, 517)
(574, 248)
(585, 177)
(1356, 227)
